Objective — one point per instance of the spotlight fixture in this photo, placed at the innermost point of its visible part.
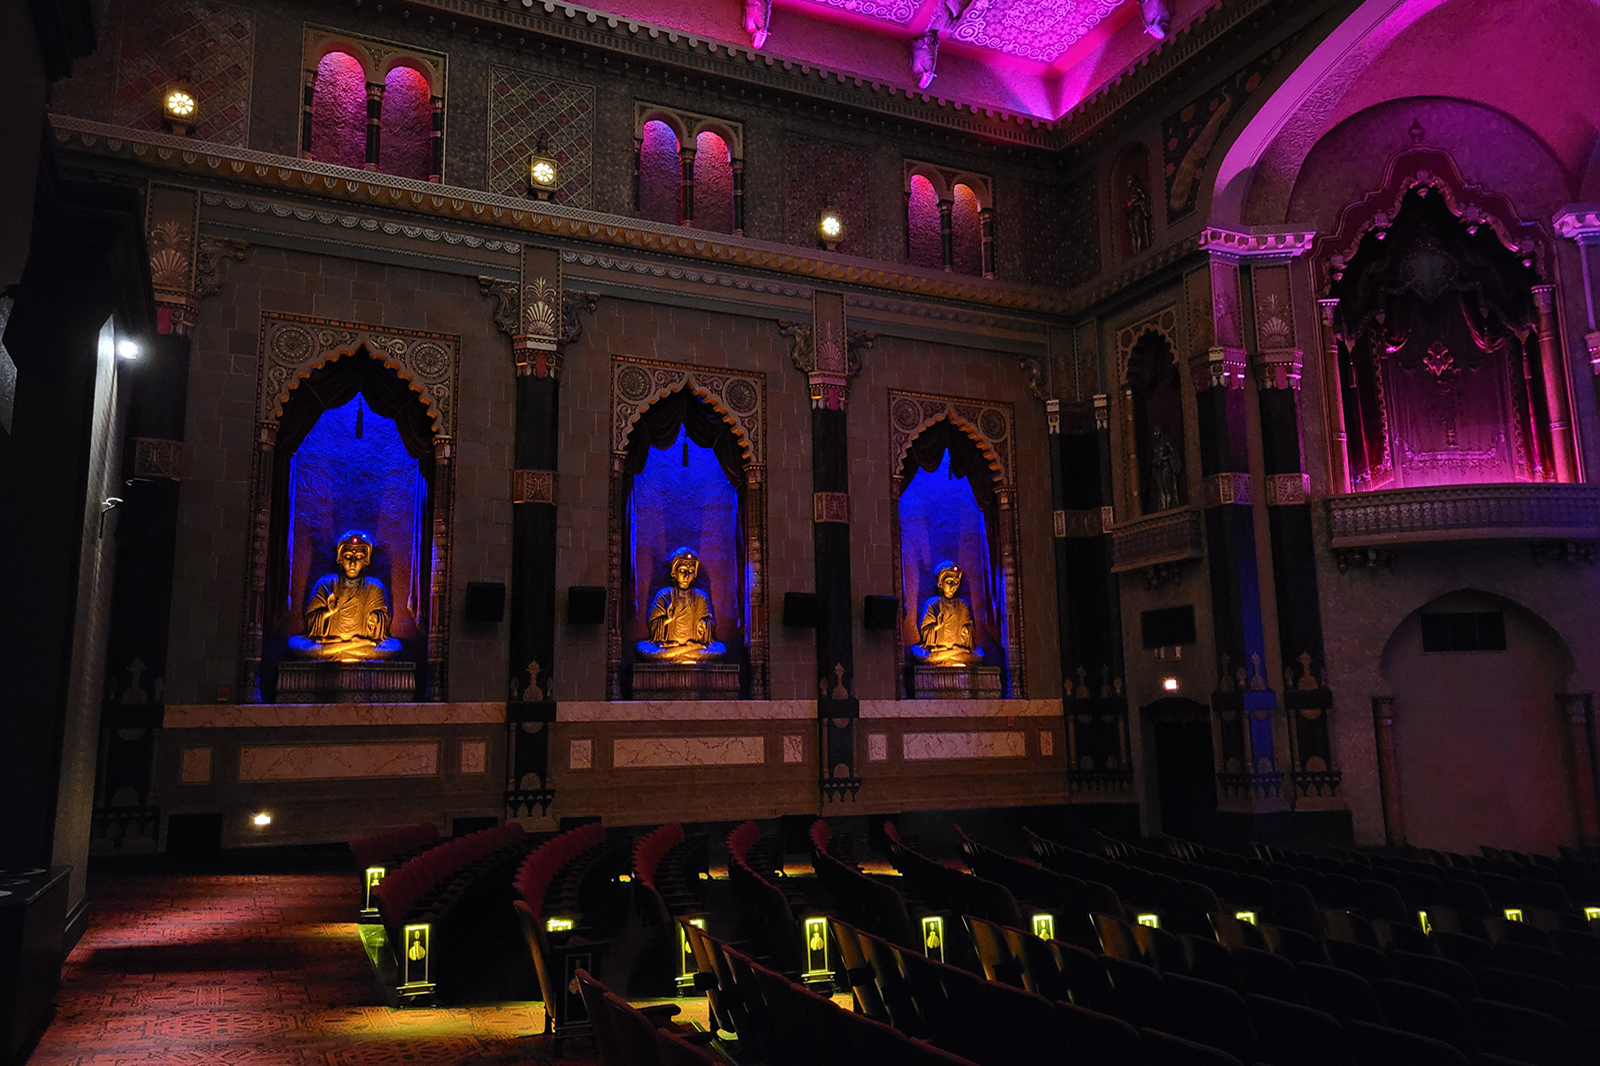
(544, 173)
(830, 228)
(180, 107)
(127, 349)
(261, 820)
(1170, 684)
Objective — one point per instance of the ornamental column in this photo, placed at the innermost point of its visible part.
(1248, 768)
(436, 140)
(1333, 401)
(830, 355)
(308, 93)
(1394, 825)
(947, 233)
(1578, 714)
(1307, 700)
(374, 122)
(686, 193)
(1554, 367)
(541, 320)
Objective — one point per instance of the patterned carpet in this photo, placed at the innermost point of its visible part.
(255, 971)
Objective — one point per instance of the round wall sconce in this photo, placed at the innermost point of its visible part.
(180, 107)
(543, 175)
(830, 228)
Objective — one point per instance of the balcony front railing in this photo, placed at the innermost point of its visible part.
(1465, 512)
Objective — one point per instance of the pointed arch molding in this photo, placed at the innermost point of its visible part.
(992, 426)
(290, 348)
(1164, 322)
(740, 397)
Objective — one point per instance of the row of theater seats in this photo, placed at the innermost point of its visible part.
(768, 915)
(393, 846)
(627, 1036)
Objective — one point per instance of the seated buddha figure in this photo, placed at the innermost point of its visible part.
(347, 613)
(947, 630)
(681, 623)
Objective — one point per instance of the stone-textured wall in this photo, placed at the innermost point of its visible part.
(213, 517)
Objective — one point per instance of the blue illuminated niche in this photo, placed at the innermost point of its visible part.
(674, 505)
(940, 519)
(353, 472)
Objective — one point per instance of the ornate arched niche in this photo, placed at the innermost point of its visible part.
(1442, 336)
(355, 423)
(955, 500)
(1153, 434)
(688, 469)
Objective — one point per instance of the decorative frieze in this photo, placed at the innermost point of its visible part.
(533, 486)
(1170, 537)
(1468, 512)
(1230, 488)
(1284, 490)
(830, 507)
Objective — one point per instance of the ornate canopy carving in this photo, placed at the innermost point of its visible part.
(990, 425)
(738, 396)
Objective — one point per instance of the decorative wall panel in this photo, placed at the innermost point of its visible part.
(916, 747)
(208, 43)
(632, 753)
(525, 106)
(321, 762)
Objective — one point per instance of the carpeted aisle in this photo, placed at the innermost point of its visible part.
(254, 971)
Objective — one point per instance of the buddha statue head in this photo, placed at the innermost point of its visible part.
(684, 568)
(947, 631)
(353, 553)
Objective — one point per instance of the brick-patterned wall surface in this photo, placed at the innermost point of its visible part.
(209, 43)
(818, 172)
(680, 335)
(922, 366)
(213, 519)
(523, 108)
(1047, 234)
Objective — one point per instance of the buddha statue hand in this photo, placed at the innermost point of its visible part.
(347, 613)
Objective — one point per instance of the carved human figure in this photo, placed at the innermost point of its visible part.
(949, 636)
(681, 623)
(1137, 213)
(757, 20)
(1157, 18)
(1166, 466)
(347, 613)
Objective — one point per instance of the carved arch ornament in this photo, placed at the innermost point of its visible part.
(1163, 322)
(992, 427)
(740, 397)
(290, 349)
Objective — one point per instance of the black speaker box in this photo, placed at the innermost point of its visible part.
(800, 610)
(586, 605)
(880, 612)
(486, 601)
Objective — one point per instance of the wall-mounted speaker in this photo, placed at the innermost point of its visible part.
(586, 605)
(486, 601)
(880, 612)
(800, 610)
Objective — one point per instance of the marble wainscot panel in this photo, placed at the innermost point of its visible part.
(285, 715)
(474, 756)
(196, 767)
(794, 747)
(994, 744)
(321, 762)
(641, 752)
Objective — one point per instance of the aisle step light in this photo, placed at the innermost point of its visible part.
(933, 937)
(1044, 926)
(1513, 914)
(1246, 916)
(687, 967)
(1422, 921)
(1591, 913)
(559, 925)
(817, 947)
(374, 875)
(1151, 920)
(417, 941)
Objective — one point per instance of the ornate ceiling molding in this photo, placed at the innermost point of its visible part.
(168, 153)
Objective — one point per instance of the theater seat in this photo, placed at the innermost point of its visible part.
(1138, 993)
(1346, 996)
(1430, 971)
(1426, 1013)
(1377, 1045)
(1526, 1035)
(1099, 1038)
(1357, 958)
(1214, 1015)
(1267, 974)
(1163, 1049)
(676, 1051)
(1292, 1035)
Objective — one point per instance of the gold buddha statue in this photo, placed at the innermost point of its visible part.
(347, 613)
(681, 623)
(947, 630)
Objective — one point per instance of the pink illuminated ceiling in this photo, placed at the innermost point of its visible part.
(1037, 58)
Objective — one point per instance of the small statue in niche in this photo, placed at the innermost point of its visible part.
(1166, 466)
(948, 633)
(1136, 212)
(681, 623)
(347, 613)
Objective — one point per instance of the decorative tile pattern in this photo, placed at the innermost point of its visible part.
(474, 756)
(322, 762)
(877, 747)
(580, 755)
(196, 766)
(634, 753)
(211, 44)
(918, 747)
(898, 12)
(1033, 29)
(523, 106)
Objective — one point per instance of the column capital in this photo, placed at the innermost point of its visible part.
(1219, 367)
(1052, 417)
(1102, 411)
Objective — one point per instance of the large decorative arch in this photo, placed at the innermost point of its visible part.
(991, 426)
(290, 349)
(740, 398)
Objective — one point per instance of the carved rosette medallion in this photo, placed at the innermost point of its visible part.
(533, 486)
